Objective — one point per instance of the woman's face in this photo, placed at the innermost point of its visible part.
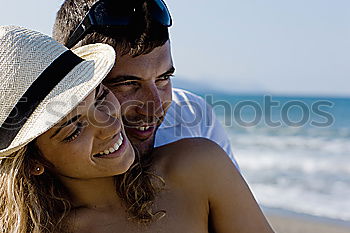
(90, 142)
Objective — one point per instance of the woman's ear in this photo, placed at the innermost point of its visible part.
(37, 170)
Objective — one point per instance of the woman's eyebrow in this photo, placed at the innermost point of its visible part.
(97, 90)
(70, 121)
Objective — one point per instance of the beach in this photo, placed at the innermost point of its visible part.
(292, 224)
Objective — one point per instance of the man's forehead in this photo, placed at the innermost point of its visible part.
(145, 66)
(160, 53)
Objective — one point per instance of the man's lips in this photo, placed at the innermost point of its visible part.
(140, 132)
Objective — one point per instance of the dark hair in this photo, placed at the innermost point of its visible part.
(142, 38)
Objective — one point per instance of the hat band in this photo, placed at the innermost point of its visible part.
(39, 89)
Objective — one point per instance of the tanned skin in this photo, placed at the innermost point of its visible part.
(203, 193)
(142, 85)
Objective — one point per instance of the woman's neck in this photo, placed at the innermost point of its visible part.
(98, 193)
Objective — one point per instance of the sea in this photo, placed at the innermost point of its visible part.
(293, 151)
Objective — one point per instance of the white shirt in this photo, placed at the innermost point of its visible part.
(190, 116)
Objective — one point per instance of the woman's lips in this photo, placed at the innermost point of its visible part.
(115, 150)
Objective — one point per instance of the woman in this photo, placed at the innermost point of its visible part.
(65, 160)
(41, 83)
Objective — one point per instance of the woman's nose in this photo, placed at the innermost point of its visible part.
(106, 117)
(109, 129)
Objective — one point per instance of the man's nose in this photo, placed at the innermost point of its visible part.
(151, 102)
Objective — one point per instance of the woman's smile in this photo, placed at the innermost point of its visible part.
(115, 150)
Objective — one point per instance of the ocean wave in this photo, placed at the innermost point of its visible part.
(305, 174)
(310, 145)
(299, 200)
(258, 160)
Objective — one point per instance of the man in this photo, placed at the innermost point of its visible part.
(153, 112)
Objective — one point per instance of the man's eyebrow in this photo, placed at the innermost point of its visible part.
(70, 121)
(168, 72)
(124, 78)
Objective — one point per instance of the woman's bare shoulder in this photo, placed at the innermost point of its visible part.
(189, 160)
(188, 148)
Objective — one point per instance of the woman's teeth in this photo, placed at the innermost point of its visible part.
(143, 128)
(115, 146)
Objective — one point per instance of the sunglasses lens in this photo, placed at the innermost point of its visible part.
(161, 13)
(108, 13)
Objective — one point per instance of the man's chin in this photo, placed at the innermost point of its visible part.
(141, 142)
(143, 148)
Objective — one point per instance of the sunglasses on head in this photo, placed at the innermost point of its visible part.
(111, 16)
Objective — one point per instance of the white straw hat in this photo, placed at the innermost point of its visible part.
(41, 81)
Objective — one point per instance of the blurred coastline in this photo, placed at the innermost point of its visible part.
(284, 221)
(300, 224)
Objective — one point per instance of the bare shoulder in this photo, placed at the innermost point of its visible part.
(202, 169)
(191, 149)
(191, 160)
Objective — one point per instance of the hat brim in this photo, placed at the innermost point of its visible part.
(67, 94)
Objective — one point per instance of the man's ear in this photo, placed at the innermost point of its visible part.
(37, 170)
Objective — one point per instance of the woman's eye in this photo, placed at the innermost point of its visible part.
(75, 134)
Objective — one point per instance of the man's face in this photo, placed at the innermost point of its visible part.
(143, 87)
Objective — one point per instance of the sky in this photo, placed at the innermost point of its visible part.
(288, 47)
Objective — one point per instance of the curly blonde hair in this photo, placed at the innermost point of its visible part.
(41, 203)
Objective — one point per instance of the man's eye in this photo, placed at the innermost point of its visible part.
(164, 80)
(128, 83)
